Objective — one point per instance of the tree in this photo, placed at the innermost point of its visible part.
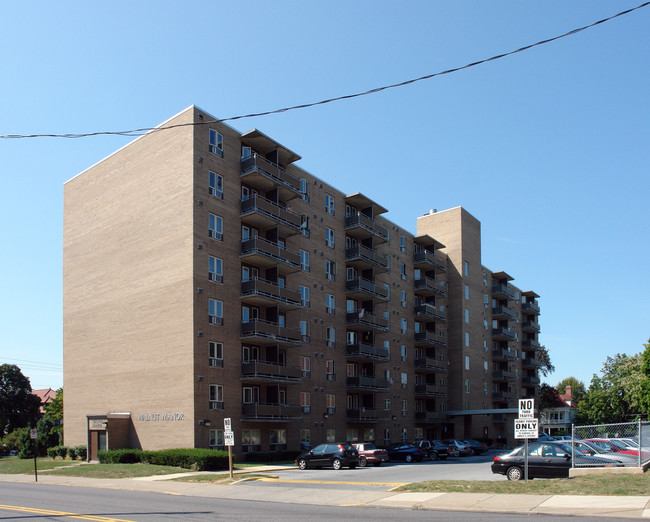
(18, 406)
(545, 365)
(644, 387)
(578, 389)
(54, 415)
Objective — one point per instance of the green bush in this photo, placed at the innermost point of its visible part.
(11, 440)
(62, 451)
(189, 458)
(72, 453)
(273, 456)
(82, 452)
(52, 452)
(119, 456)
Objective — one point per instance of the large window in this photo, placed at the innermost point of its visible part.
(305, 366)
(304, 189)
(402, 271)
(402, 243)
(329, 237)
(215, 269)
(304, 260)
(304, 331)
(304, 296)
(215, 356)
(330, 403)
(329, 204)
(329, 304)
(305, 402)
(329, 370)
(278, 439)
(216, 143)
(216, 397)
(330, 337)
(251, 440)
(216, 185)
(330, 270)
(215, 311)
(215, 229)
(216, 439)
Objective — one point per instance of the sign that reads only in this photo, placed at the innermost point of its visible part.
(526, 429)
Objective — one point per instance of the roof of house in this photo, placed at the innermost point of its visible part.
(46, 395)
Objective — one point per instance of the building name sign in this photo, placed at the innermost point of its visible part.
(158, 417)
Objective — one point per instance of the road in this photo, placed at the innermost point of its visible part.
(25, 502)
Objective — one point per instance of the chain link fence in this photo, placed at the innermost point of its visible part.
(607, 445)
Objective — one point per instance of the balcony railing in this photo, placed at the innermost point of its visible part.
(431, 363)
(503, 333)
(428, 286)
(500, 353)
(271, 412)
(265, 371)
(530, 326)
(257, 204)
(504, 311)
(367, 350)
(367, 415)
(365, 254)
(430, 338)
(504, 290)
(430, 416)
(427, 257)
(274, 174)
(430, 311)
(274, 253)
(367, 383)
(270, 332)
(503, 375)
(363, 286)
(257, 287)
(529, 362)
(430, 390)
(530, 306)
(362, 318)
(363, 222)
(530, 344)
(530, 381)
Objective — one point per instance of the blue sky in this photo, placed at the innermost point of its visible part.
(547, 148)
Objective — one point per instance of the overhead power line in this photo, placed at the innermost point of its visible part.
(145, 130)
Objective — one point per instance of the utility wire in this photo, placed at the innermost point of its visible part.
(145, 130)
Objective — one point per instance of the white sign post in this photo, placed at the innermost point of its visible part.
(526, 427)
(229, 440)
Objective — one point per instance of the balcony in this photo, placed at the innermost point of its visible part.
(530, 363)
(530, 381)
(264, 175)
(367, 383)
(503, 334)
(363, 257)
(265, 254)
(428, 338)
(367, 415)
(266, 332)
(530, 344)
(260, 292)
(503, 375)
(257, 371)
(360, 320)
(361, 288)
(428, 311)
(530, 326)
(361, 226)
(430, 416)
(503, 312)
(270, 412)
(531, 307)
(426, 260)
(430, 390)
(426, 286)
(431, 363)
(499, 290)
(499, 354)
(367, 351)
(263, 213)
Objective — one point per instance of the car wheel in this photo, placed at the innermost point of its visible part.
(514, 473)
(302, 464)
(472, 452)
(336, 464)
(434, 455)
(409, 458)
(363, 462)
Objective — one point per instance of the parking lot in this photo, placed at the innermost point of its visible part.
(387, 475)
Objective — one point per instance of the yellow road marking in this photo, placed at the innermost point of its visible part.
(62, 514)
(392, 484)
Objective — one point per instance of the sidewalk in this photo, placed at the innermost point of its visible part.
(611, 506)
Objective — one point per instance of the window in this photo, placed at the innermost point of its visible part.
(404, 379)
(305, 438)
(402, 271)
(330, 435)
(467, 362)
(216, 143)
(304, 331)
(402, 243)
(369, 434)
(329, 370)
(246, 152)
(330, 403)
(216, 439)
(329, 237)
(467, 315)
(329, 303)
(304, 260)
(403, 298)
(485, 280)
(403, 352)
(353, 435)
(251, 439)
(249, 313)
(387, 347)
(466, 338)
(216, 397)
(486, 301)
(277, 439)
(216, 185)
(251, 395)
(215, 311)
(466, 291)
(465, 268)
(215, 354)
(404, 406)
(403, 326)
(250, 353)
(330, 270)
(330, 337)
(485, 367)
(215, 269)
(215, 229)
(329, 204)
(387, 404)
(305, 366)
(485, 324)
(304, 296)
(305, 402)
(466, 385)
(304, 189)
(304, 226)
(248, 233)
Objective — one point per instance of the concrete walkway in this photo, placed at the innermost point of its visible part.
(610, 506)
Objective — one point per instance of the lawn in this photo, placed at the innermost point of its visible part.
(117, 471)
(14, 465)
(608, 484)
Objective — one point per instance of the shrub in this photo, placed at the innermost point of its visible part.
(10, 440)
(82, 452)
(119, 456)
(189, 458)
(62, 451)
(72, 453)
(52, 452)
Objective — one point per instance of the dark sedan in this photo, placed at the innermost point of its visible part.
(333, 455)
(405, 451)
(545, 460)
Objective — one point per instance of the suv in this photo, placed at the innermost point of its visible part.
(331, 454)
(433, 449)
(370, 454)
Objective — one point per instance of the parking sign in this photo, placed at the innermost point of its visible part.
(526, 408)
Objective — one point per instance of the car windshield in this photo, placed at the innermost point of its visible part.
(369, 446)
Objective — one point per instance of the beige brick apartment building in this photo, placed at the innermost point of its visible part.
(206, 276)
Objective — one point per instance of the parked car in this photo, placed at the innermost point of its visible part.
(370, 454)
(613, 446)
(476, 447)
(452, 450)
(331, 454)
(587, 448)
(405, 451)
(463, 449)
(549, 459)
(433, 449)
